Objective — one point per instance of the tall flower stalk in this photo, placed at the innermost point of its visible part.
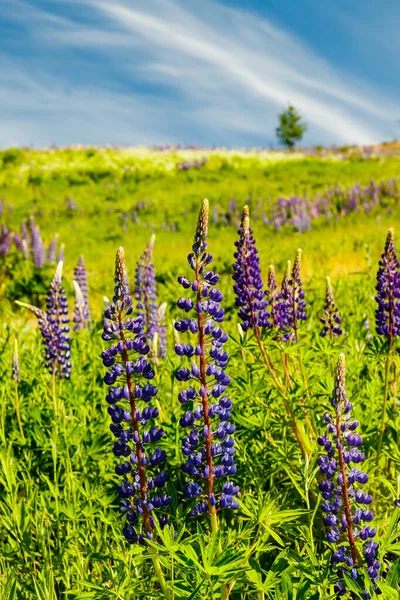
(346, 506)
(248, 288)
(145, 290)
(331, 320)
(82, 313)
(252, 302)
(387, 316)
(130, 398)
(209, 445)
(292, 293)
(54, 327)
(272, 297)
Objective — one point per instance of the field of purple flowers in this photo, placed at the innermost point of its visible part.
(206, 410)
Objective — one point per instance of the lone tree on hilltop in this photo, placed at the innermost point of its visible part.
(291, 128)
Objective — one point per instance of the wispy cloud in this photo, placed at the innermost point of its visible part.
(175, 71)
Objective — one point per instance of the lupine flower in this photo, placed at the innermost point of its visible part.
(25, 233)
(131, 409)
(5, 240)
(346, 507)
(61, 253)
(208, 446)
(54, 327)
(15, 364)
(38, 249)
(282, 305)
(250, 297)
(25, 248)
(292, 307)
(331, 321)
(80, 276)
(272, 295)
(388, 291)
(18, 241)
(79, 308)
(51, 251)
(145, 290)
(58, 345)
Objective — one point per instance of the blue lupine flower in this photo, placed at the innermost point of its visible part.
(292, 304)
(132, 413)
(250, 297)
(57, 328)
(331, 321)
(38, 249)
(208, 446)
(52, 249)
(388, 291)
(5, 240)
(145, 290)
(54, 327)
(273, 298)
(347, 515)
(82, 309)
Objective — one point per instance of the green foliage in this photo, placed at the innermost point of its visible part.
(291, 128)
(60, 529)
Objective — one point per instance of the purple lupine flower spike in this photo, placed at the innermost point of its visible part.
(346, 506)
(61, 253)
(250, 297)
(272, 295)
(331, 321)
(209, 446)
(54, 327)
(59, 343)
(298, 303)
(38, 249)
(25, 234)
(18, 241)
(388, 291)
(282, 306)
(51, 251)
(292, 301)
(79, 308)
(80, 276)
(131, 410)
(145, 290)
(5, 240)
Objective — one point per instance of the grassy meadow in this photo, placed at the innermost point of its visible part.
(60, 525)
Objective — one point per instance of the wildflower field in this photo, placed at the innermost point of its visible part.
(199, 397)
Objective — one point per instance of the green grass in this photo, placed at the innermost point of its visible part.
(106, 194)
(60, 530)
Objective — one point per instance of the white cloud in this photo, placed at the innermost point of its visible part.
(224, 74)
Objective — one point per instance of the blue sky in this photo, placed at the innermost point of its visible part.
(197, 72)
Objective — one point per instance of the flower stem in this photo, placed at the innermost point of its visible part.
(159, 573)
(17, 411)
(138, 443)
(53, 390)
(346, 500)
(385, 399)
(304, 446)
(207, 422)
